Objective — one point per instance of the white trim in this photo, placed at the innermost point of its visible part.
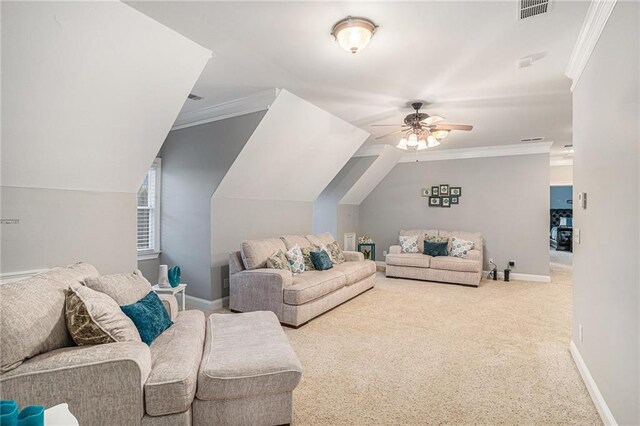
(561, 162)
(595, 21)
(207, 305)
(480, 152)
(598, 400)
(148, 256)
(9, 277)
(515, 276)
(561, 183)
(371, 150)
(259, 101)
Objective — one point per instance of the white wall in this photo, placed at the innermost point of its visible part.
(561, 175)
(606, 296)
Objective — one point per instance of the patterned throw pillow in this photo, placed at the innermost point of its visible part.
(94, 318)
(278, 260)
(435, 239)
(337, 256)
(409, 244)
(460, 248)
(308, 263)
(296, 259)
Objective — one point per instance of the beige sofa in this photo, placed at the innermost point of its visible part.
(445, 269)
(130, 383)
(295, 299)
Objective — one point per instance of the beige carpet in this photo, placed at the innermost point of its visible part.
(559, 257)
(409, 352)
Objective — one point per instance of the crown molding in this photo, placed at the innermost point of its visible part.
(259, 101)
(595, 21)
(371, 150)
(480, 152)
(561, 162)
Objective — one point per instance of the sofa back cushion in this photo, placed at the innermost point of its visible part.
(32, 317)
(125, 289)
(421, 233)
(476, 237)
(255, 252)
(292, 240)
(319, 239)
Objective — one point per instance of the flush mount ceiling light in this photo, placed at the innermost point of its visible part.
(353, 34)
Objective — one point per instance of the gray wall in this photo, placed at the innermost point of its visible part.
(149, 269)
(326, 214)
(59, 227)
(348, 221)
(234, 220)
(194, 161)
(606, 295)
(504, 198)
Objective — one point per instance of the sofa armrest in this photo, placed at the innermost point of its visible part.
(258, 290)
(475, 254)
(353, 256)
(103, 384)
(170, 303)
(395, 250)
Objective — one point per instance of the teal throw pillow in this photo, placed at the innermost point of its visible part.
(321, 260)
(149, 316)
(435, 249)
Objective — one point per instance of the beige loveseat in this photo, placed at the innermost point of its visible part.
(295, 299)
(445, 269)
(130, 383)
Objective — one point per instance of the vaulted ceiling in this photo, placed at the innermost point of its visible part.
(459, 57)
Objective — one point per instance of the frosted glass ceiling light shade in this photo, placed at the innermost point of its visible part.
(413, 140)
(432, 141)
(353, 34)
(402, 144)
(421, 145)
(440, 134)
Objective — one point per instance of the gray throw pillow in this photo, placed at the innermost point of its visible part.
(125, 289)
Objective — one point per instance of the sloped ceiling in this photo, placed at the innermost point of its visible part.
(293, 154)
(89, 93)
(373, 175)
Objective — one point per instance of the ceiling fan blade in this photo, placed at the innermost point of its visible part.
(389, 134)
(464, 127)
(433, 119)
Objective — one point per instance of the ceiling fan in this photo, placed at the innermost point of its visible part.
(421, 130)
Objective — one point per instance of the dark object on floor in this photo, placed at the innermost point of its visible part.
(506, 274)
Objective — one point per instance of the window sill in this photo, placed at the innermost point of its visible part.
(148, 255)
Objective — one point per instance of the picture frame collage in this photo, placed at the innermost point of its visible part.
(442, 195)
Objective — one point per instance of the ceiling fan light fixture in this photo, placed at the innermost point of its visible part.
(440, 134)
(432, 141)
(353, 34)
(421, 145)
(402, 144)
(413, 140)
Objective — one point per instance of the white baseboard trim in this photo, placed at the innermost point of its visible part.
(207, 305)
(9, 277)
(514, 276)
(381, 264)
(598, 400)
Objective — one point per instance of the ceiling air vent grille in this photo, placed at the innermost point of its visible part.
(194, 97)
(529, 8)
(538, 139)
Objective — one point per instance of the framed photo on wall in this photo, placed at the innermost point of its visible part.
(444, 190)
(435, 191)
(425, 192)
(455, 190)
(434, 201)
(455, 200)
(446, 202)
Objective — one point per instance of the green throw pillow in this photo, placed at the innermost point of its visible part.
(149, 316)
(321, 260)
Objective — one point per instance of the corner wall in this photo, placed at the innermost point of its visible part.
(504, 198)
(606, 290)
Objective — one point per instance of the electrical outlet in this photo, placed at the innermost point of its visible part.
(580, 332)
(225, 283)
(512, 264)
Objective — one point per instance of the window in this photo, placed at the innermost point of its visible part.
(149, 213)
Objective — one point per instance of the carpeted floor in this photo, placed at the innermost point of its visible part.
(559, 257)
(410, 352)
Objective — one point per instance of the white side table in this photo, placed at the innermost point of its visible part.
(180, 288)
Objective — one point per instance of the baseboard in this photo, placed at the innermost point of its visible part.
(207, 305)
(515, 276)
(598, 400)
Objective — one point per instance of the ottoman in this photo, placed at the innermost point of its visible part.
(248, 372)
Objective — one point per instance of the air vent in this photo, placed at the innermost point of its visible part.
(529, 8)
(538, 139)
(194, 97)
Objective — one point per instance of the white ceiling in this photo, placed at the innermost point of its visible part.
(460, 57)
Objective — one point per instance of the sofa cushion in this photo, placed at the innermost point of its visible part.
(32, 316)
(449, 263)
(292, 240)
(246, 355)
(409, 243)
(321, 260)
(319, 239)
(337, 255)
(175, 360)
(255, 252)
(312, 285)
(417, 260)
(476, 237)
(278, 260)
(356, 271)
(95, 318)
(125, 289)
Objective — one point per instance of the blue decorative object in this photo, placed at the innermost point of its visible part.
(8, 413)
(33, 415)
(321, 260)
(149, 317)
(435, 249)
(174, 276)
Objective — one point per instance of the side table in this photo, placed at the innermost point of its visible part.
(180, 288)
(372, 250)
